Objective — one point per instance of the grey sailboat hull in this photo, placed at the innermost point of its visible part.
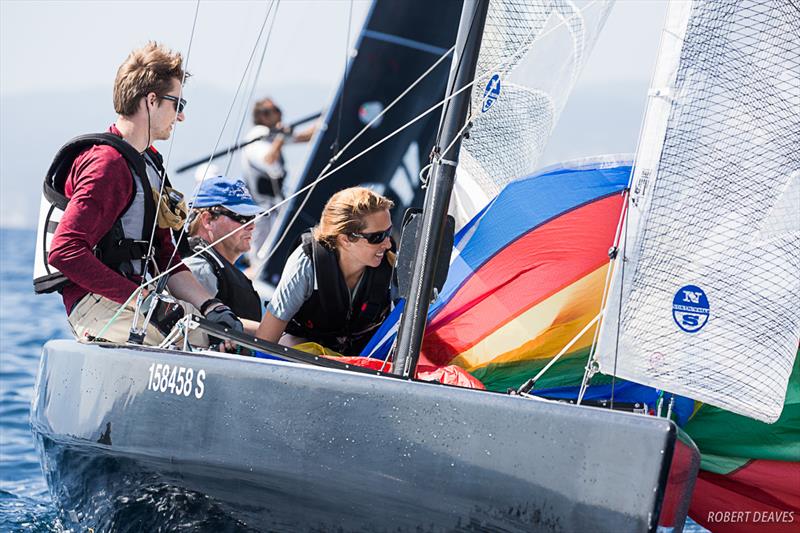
(267, 445)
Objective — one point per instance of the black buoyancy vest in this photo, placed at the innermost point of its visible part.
(233, 287)
(328, 317)
(114, 249)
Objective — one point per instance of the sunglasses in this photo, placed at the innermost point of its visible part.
(180, 103)
(376, 237)
(241, 219)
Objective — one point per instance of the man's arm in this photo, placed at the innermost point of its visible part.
(184, 286)
(305, 135)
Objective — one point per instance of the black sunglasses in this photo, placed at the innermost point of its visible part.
(241, 219)
(376, 237)
(180, 103)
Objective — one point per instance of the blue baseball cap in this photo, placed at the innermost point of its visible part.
(230, 193)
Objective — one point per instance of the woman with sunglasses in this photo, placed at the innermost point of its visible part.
(334, 289)
(223, 206)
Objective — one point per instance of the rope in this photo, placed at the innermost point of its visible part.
(253, 86)
(138, 293)
(335, 146)
(592, 365)
(171, 143)
(225, 122)
(264, 257)
(327, 173)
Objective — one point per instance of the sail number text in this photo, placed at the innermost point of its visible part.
(177, 380)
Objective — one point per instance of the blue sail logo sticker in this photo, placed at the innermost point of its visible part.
(491, 93)
(690, 308)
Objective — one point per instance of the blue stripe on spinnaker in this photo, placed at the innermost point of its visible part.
(521, 206)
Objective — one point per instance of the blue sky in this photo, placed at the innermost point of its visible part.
(58, 60)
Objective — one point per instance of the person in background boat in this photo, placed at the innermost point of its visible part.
(222, 205)
(105, 197)
(334, 289)
(262, 161)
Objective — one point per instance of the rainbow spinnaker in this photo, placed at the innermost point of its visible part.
(527, 277)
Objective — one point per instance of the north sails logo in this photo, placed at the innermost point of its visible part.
(690, 308)
(491, 93)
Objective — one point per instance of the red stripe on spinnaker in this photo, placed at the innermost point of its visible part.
(527, 271)
(449, 375)
(762, 496)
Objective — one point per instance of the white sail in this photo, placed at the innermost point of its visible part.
(531, 56)
(706, 303)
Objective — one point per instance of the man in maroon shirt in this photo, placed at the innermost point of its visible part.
(102, 192)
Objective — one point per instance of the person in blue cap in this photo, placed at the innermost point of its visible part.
(221, 206)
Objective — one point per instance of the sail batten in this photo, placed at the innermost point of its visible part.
(711, 278)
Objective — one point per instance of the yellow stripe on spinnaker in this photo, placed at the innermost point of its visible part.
(544, 329)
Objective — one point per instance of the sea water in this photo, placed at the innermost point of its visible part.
(27, 321)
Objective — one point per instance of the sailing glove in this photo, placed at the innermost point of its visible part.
(222, 315)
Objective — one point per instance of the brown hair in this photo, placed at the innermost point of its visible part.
(149, 69)
(262, 109)
(345, 211)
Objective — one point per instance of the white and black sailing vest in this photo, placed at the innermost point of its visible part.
(124, 248)
(264, 181)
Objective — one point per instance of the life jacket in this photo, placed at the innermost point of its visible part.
(328, 317)
(233, 287)
(123, 248)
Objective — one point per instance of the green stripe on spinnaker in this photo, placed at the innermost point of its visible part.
(567, 371)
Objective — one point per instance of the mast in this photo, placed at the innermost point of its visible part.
(437, 199)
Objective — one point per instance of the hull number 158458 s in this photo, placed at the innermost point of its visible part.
(177, 380)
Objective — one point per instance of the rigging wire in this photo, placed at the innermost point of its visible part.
(138, 294)
(261, 254)
(331, 162)
(619, 310)
(264, 256)
(325, 174)
(227, 117)
(162, 177)
(257, 75)
(592, 365)
(172, 137)
(376, 144)
(335, 147)
(287, 199)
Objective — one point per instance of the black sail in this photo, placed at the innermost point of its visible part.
(399, 42)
